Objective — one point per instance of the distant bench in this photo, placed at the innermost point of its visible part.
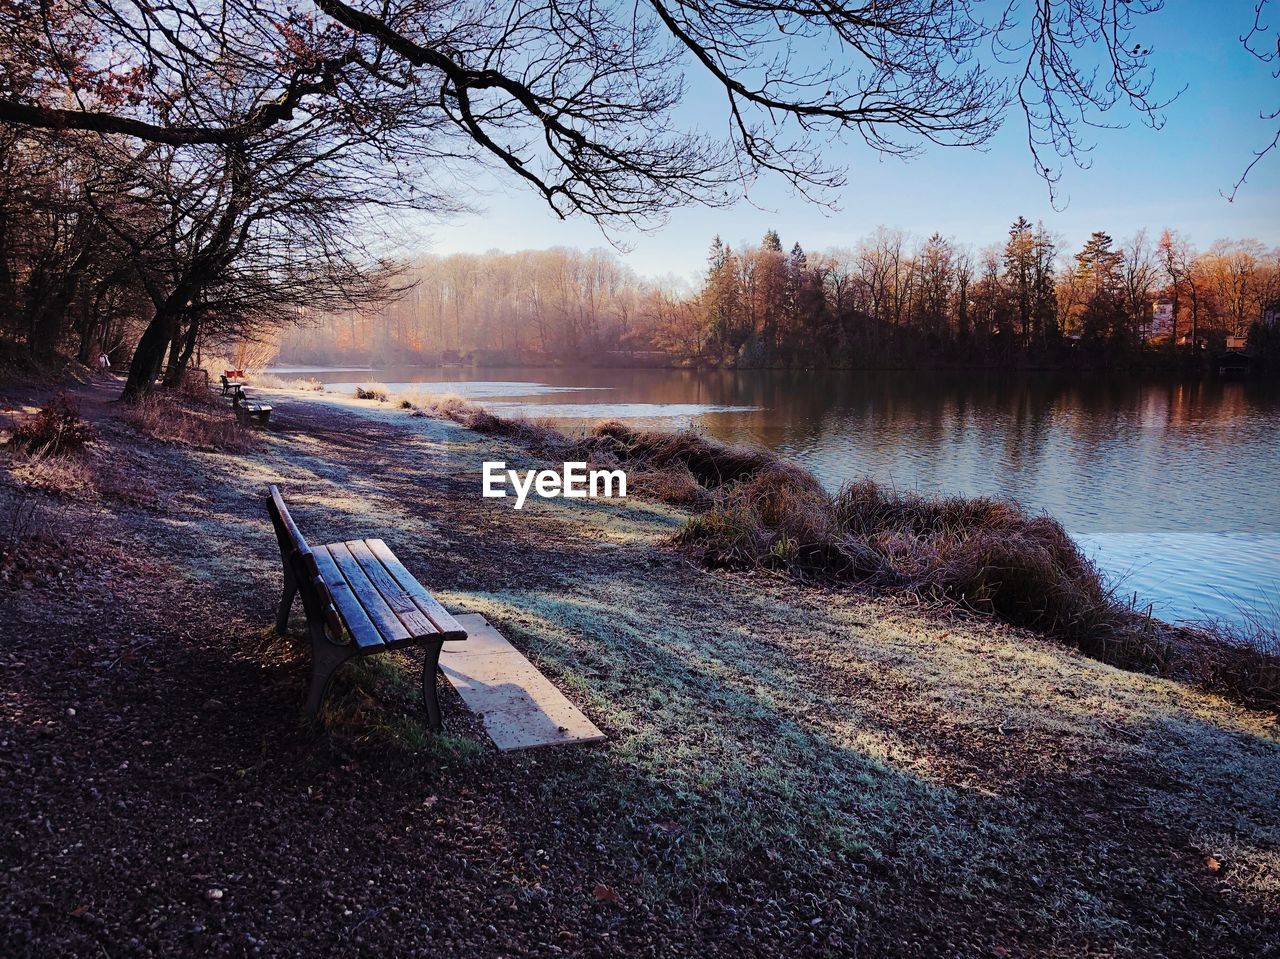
(359, 600)
(246, 411)
(258, 413)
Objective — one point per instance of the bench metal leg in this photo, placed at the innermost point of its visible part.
(286, 603)
(326, 657)
(430, 662)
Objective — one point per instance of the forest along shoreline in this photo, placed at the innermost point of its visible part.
(774, 745)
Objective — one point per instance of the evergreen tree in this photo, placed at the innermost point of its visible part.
(1019, 267)
(1099, 280)
(937, 275)
(1044, 288)
(720, 297)
(770, 290)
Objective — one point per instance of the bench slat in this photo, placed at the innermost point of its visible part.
(295, 535)
(365, 634)
(390, 629)
(425, 601)
(415, 620)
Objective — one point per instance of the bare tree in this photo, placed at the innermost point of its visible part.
(1138, 273)
(238, 239)
(577, 97)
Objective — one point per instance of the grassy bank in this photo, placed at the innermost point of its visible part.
(753, 510)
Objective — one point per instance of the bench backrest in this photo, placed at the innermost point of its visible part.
(301, 562)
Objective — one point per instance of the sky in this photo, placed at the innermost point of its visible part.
(1137, 178)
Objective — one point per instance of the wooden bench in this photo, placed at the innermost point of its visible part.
(359, 600)
(259, 413)
(228, 387)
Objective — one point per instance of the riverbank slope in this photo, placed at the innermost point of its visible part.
(789, 770)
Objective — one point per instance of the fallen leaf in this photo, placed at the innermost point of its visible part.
(1212, 864)
(605, 893)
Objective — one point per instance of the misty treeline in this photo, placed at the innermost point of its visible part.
(556, 302)
(887, 300)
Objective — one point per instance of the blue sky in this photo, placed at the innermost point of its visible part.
(1138, 177)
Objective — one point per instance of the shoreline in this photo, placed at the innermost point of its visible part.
(1199, 553)
(917, 782)
(1241, 660)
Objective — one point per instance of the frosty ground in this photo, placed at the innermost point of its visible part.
(790, 770)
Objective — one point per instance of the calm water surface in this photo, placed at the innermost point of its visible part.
(1173, 486)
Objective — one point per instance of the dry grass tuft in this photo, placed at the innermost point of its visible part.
(1239, 658)
(204, 425)
(65, 476)
(674, 484)
(539, 437)
(710, 462)
(54, 430)
(271, 381)
(985, 555)
(451, 405)
(372, 391)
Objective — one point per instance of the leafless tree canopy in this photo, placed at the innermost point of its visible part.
(581, 98)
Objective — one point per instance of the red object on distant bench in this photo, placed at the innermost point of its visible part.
(233, 374)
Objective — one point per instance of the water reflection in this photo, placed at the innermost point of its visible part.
(1175, 484)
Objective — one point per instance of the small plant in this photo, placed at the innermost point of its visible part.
(25, 518)
(57, 429)
(34, 545)
(372, 391)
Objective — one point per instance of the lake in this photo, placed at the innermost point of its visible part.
(1173, 486)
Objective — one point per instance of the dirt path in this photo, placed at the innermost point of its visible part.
(789, 771)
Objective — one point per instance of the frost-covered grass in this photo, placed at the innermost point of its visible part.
(271, 381)
(828, 732)
(204, 425)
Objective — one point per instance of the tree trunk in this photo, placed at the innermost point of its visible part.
(184, 344)
(87, 328)
(171, 371)
(149, 354)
